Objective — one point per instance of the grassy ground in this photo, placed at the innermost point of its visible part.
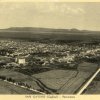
(6, 88)
(64, 81)
(67, 81)
(18, 77)
(55, 78)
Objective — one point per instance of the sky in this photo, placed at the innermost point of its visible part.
(65, 15)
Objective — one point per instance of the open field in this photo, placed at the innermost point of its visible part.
(6, 88)
(63, 81)
(67, 81)
(18, 77)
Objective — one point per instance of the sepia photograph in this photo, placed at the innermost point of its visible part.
(49, 48)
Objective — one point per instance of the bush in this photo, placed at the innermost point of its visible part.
(10, 80)
(2, 77)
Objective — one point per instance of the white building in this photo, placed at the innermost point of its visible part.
(20, 60)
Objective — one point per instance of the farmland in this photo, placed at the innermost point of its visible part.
(62, 81)
(67, 81)
(18, 77)
(6, 88)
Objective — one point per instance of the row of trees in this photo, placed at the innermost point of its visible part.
(13, 81)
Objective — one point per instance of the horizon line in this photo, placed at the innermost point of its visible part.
(48, 28)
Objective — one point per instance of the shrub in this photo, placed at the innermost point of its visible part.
(2, 77)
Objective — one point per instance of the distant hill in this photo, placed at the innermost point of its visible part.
(39, 30)
(49, 34)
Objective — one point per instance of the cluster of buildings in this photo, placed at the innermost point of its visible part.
(45, 54)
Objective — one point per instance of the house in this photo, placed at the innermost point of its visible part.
(3, 52)
(20, 60)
